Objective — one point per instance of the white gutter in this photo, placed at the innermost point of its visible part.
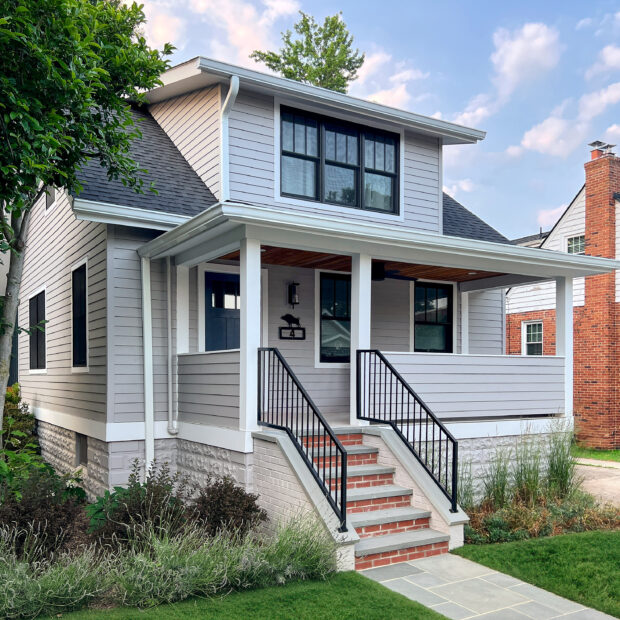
(231, 97)
(147, 347)
(173, 427)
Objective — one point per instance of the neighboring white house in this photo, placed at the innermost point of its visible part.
(165, 337)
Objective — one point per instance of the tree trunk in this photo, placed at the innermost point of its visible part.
(11, 301)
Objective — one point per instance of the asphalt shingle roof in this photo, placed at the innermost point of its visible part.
(530, 239)
(180, 189)
(460, 222)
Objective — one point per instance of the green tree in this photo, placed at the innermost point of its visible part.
(320, 55)
(68, 72)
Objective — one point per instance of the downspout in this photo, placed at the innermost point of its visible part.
(173, 427)
(231, 97)
(147, 347)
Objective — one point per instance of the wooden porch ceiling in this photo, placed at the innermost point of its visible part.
(318, 260)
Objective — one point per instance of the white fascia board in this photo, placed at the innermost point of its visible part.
(213, 70)
(108, 213)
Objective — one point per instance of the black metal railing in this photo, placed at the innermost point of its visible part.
(283, 403)
(384, 396)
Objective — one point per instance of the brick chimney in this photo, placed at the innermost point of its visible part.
(597, 325)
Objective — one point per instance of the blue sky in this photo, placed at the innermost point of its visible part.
(541, 77)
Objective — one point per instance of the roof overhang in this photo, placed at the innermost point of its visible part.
(202, 72)
(220, 228)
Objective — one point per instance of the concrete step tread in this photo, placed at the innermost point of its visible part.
(363, 470)
(395, 542)
(391, 515)
(354, 449)
(384, 490)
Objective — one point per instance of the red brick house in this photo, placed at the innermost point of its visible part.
(588, 226)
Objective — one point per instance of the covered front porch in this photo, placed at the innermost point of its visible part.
(433, 305)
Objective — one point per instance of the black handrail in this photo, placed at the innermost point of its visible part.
(283, 403)
(384, 396)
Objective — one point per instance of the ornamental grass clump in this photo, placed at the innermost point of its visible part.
(496, 480)
(526, 471)
(562, 479)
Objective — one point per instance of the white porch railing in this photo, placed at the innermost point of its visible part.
(475, 386)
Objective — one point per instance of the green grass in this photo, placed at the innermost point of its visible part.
(581, 567)
(343, 596)
(591, 453)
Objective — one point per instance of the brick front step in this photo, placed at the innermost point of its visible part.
(383, 522)
(346, 439)
(362, 476)
(392, 528)
(402, 555)
(383, 497)
(356, 455)
(402, 547)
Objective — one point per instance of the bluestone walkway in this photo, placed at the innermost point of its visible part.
(459, 588)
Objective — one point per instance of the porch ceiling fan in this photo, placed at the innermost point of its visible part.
(380, 273)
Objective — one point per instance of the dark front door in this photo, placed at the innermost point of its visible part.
(222, 305)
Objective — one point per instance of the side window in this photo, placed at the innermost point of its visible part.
(433, 317)
(335, 327)
(576, 245)
(533, 339)
(37, 335)
(79, 317)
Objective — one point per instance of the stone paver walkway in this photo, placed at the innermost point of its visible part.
(459, 589)
(601, 479)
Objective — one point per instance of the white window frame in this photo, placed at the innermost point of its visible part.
(573, 236)
(80, 369)
(38, 371)
(524, 343)
(455, 314)
(341, 210)
(202, 268)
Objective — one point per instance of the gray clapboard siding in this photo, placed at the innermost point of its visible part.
(56, 242)
(390, 317)
(486, 322)
(252, 167)
(193, 123)
(478, 386)
(209, 388)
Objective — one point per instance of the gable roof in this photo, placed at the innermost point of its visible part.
(532, 241)
(180, 190)
(460, 222)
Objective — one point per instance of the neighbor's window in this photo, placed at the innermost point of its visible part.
(81, 449)
(533, 338)
(433, 320)
(80, 328)
(37, 335)
(50, 196)
(335, 328)
(576, 245)
(338, 163)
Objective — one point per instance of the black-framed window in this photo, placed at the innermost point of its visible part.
(433, 317)
(335, 327)
(576, 245)
(80, 328)
(37, 335)
(338, 163)
(50, 196)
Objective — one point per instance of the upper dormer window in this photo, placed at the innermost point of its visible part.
(338, 163)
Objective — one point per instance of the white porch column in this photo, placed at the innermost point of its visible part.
(182, 309)
(564, 335)
(361, 278)
(464, 323)
(250, 285)
(147, 352)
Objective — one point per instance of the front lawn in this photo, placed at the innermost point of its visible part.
(580, 452)
(344, 595)
(581, 567)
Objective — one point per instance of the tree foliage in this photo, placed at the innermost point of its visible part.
(69, 71)
(319, 55)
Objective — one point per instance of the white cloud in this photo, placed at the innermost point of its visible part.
(608, 60)
(613, 132)
(594, 104)
(398, 96)
(548, 217)
(524, 55)
(372, 64)
(408, 75)
(514, 151)
(520, 56)
(162, 25)
(463, 185)
(584, 23)
(245, 26)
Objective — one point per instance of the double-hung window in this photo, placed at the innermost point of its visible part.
(433, 317)
(533, 338)
(338, 163)
(36, 310)
(335, 327)
(79, 319)
(576, 245)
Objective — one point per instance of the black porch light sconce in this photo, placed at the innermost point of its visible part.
(293, 295)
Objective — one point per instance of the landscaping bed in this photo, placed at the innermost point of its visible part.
(580, 567)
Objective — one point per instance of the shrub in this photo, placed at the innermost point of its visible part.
(221, 504)
(158, 503)
(496, 480)
(17, 415)
(48, 506)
